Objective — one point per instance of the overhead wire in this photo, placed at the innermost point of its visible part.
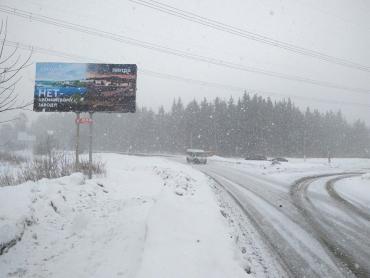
(173, 77)
(189, 16)
(332, 14)
(167, 50)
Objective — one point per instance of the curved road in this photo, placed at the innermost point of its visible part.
(313, 231)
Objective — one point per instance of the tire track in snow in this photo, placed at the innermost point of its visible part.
(288, 239)
(330, 187)
(336, 240)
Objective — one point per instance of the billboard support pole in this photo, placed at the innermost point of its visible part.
(77, 140)
(90, 143)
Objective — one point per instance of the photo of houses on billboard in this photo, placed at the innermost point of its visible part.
(77, 87)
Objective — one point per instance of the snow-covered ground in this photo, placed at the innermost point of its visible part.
(295, 168)
(355, 190)
(149, 217)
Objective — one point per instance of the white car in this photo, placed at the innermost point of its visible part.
(196, 156)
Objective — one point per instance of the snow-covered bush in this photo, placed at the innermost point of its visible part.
(98, 167)
(54, 165)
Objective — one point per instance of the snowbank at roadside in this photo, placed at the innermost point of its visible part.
(148, 217)
(355, 190)
(186, 231)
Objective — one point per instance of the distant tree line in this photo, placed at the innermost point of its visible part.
(248, 125)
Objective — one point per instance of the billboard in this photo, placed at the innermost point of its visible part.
(78, 87)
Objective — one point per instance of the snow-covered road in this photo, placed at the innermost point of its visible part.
(342, 228)
(313, 233)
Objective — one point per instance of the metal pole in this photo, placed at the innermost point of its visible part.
(304, 145)
(77, 140)
(191, 139)
(90, 143)
(215, 135)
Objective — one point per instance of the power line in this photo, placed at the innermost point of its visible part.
(330, 13)
(171, 51)
(174, 77)
(239, 89)
(45, 50)
(164, 8)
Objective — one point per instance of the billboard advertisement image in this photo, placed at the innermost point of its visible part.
(78, 87)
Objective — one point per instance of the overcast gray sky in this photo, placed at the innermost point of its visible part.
(338, 28)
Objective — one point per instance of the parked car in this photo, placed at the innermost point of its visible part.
(196, 156)
(255, 157)
(280, 159)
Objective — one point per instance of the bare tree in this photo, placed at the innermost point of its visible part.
(10, 66)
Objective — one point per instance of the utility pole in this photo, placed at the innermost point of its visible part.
(304, 145)
(49, 145)
(191, 139)
(329, 155)
(215, 135)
